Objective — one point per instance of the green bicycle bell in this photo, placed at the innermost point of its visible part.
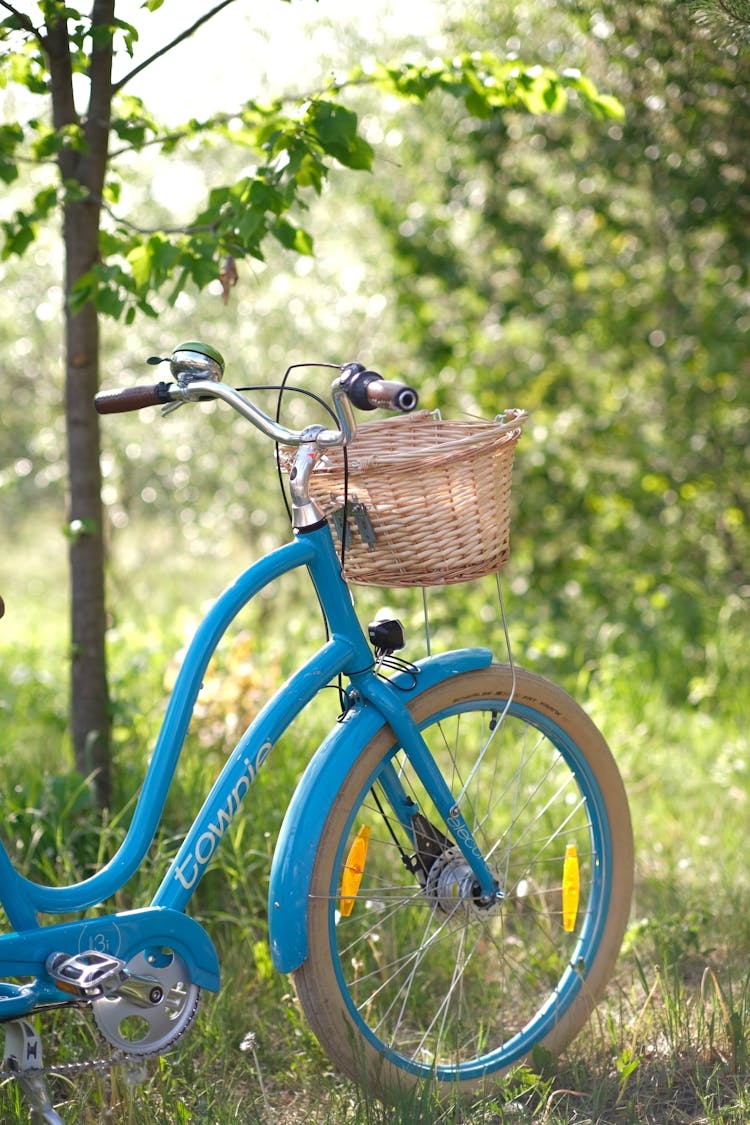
(195, 360)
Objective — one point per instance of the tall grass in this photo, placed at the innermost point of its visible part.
(670, 1043)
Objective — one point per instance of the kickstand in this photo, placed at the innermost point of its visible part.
(23, 1054)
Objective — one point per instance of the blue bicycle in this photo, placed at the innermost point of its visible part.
(452, 880)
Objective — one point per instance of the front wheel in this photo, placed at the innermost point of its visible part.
(409, 975)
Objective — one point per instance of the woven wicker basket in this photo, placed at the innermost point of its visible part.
(428, 500)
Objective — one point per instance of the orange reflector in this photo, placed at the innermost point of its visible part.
(354, 870)
(571, 888)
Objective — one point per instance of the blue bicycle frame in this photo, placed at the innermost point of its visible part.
(375, 703)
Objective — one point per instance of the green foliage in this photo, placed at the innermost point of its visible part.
(670, 1040)
(10, 137)
(728, 21)
(486, 83)
(594, 270)
(596, 274)
(295, 152)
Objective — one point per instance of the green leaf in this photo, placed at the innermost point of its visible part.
(110, 300)
(11, 136)
(265, 197)
(130, 35)
(25, 69)
(601, 105)
(251, 226)
(140, 259)
(411, 81)
(311, 172)
(45, 202)
(611, 107)
(50, 141)
(164, 255)
(75, 192)
(8, 170)
(83, 290)
(133, 123)
(292, 238)
(111, 191)
(22, 229)
(78, 529)
(360, 155)
(19, 235)
(478, 105)
(335, 128)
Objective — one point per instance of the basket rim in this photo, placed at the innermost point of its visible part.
(482, 431)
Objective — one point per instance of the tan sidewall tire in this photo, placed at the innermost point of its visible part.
(316, 980)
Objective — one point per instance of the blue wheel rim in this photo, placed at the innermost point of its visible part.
(584, 952)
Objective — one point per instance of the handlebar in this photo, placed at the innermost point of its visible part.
(354, 386)
(367, 390)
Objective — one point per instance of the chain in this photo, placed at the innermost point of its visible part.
(134, 1063)
(61, 1069)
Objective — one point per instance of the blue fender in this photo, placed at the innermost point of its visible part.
(300, 833)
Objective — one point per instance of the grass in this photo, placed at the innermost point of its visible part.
(670, 1044)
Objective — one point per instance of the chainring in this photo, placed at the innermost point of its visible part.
(136, 1025)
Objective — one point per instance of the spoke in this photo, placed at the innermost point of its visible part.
(459, 969)
(405, 990)
(438, 979)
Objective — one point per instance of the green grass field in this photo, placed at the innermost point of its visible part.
(668, 1045)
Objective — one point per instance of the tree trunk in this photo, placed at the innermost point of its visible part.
(90, 721)
(85, 165)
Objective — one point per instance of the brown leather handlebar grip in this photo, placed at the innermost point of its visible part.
(131, 398)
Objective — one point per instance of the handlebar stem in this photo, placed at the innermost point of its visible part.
(305, 512)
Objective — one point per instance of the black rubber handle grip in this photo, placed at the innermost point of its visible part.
(131, 398)
(393, 396)
(368, 390)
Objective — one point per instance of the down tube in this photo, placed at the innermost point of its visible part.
(100, 886)
(223, 802)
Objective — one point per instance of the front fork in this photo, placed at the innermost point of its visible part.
(485, 889)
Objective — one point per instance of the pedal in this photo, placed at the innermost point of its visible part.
(88, 975)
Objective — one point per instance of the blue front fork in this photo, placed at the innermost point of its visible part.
(423, 763)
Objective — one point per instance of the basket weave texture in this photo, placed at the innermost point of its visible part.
(428, 500)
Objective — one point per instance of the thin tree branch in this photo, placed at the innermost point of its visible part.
(24, 20)
(172, 137)
(201, 228)
(163, 50)
(180, 133)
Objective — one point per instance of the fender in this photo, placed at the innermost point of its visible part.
(300, 833)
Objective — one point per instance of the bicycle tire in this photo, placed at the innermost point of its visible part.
(417, 986)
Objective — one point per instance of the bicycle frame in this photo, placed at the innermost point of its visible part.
(348, 652)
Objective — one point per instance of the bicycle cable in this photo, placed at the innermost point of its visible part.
(282, 389)
(407, 860)
(497, 719)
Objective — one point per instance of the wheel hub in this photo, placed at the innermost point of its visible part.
(452, 885)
